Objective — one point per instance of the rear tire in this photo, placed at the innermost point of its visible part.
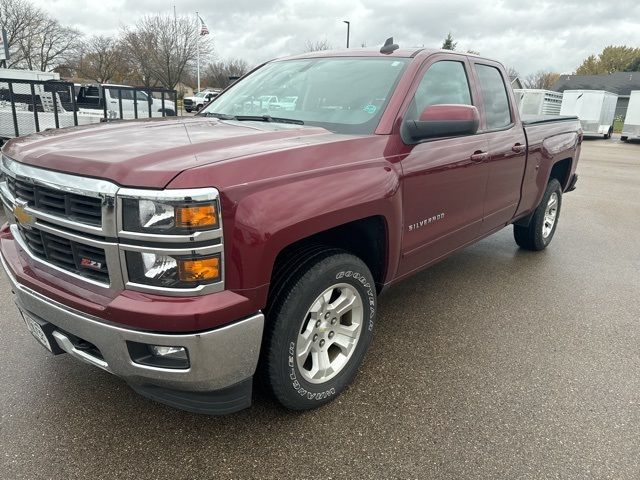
(624, 139)
(542, 226)
(318, 329)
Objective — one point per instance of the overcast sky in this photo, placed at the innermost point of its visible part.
(530, 36)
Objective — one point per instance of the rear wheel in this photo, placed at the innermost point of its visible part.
(319, 329)
(623, 138)
(198, 108)
(542, 226)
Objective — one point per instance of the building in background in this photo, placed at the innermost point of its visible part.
(621, 83)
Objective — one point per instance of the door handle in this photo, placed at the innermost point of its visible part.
(479, 157)
(519, 148)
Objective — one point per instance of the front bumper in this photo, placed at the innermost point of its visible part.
(222, 361)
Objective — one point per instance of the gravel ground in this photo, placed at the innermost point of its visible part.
(495, 363)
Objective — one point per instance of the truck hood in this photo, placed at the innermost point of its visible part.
(151, 153)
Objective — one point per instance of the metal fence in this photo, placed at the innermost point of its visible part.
(28, 106)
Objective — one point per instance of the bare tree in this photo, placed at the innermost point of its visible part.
(541, 79)
(219, 74)
(512, 73)
(317, 46)
(162, 48)
(101, 60)
(36, 41)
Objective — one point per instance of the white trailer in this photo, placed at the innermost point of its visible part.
(17, 74)
(26, 121)
(595, 109)
(631, 129)
(533, 101)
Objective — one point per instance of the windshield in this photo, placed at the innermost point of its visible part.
(341, 94)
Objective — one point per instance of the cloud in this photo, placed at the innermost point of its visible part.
(528, 36)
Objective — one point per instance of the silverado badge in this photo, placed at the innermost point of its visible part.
(23, 217)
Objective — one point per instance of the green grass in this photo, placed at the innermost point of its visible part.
(617, 125)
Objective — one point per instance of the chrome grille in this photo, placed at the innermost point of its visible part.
(84, 260)
(75, 207)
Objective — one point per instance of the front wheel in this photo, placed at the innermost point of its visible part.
(319, 329)
(623, 138)
(542, 226)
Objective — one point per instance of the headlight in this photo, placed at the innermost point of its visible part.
(169, 217)
(173, 271)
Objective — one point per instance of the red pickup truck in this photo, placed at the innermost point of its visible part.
(190, 255)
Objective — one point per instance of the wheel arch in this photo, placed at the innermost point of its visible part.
(366, 238)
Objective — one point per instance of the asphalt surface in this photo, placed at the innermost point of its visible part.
(496, 363)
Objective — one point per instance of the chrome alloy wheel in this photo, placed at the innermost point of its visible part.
(329, 333)
(550, 215)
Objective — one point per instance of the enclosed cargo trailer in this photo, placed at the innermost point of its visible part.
(595, 109)
(631, 128)
(532, 101)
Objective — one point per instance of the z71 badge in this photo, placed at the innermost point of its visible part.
(425, 222)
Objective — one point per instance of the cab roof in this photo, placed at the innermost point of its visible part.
(374, 52)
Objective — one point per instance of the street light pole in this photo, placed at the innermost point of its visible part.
(348, 28)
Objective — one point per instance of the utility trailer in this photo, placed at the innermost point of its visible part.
(29, 105)
(533, 101)
(595, 108)
(631, 128)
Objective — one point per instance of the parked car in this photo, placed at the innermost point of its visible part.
(596, 110)
(199, 100)
(90, 97)
(192, 255)
(631, 128)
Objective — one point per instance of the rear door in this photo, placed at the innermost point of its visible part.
(507, 145)
(443, 178)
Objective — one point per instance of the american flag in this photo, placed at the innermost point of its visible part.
(203, 28)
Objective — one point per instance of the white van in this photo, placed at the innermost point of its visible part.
(596, 110)
(631, 129)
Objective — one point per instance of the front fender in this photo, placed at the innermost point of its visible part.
(278, 213)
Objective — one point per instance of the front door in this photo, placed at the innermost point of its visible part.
(443, 179)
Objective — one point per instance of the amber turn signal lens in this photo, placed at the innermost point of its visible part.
(206, 269)
(196, 216)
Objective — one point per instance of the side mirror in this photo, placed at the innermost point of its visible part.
(444, 121)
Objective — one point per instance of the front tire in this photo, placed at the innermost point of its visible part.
(542, 226)
(319, 329)
(623, 138)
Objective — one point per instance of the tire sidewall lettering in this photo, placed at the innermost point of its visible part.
(370, 293)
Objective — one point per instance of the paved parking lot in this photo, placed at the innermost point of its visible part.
(496, 363)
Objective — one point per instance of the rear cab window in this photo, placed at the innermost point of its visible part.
(497, 110)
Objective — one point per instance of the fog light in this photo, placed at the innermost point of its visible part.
(173, 352)
(161, 356)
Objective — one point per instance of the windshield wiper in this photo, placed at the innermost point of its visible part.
(221, 116)
(267, 118)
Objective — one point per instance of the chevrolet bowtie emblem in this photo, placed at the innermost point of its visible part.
(23, 217)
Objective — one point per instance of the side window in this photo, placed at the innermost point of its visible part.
(125, 94)
(444, 82)
(494, 94)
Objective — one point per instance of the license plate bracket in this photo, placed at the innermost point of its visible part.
(42, 331)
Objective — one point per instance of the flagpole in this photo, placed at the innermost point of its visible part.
(198, 46)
